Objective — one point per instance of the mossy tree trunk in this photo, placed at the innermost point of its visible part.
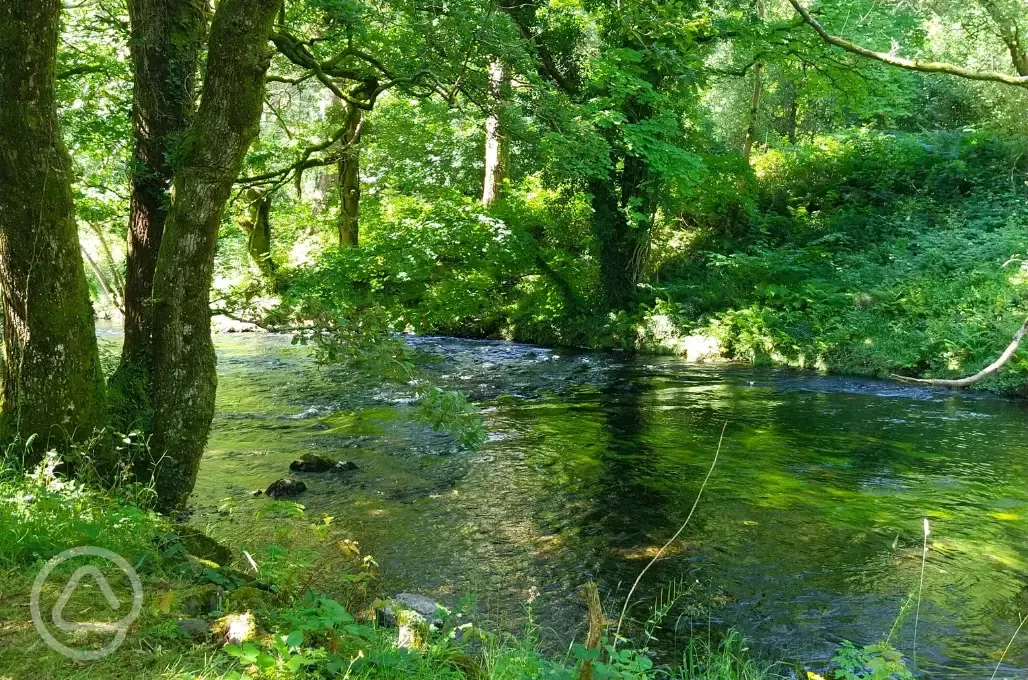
(256, 224)
(750, 134)
(52, 381)
(623, 244)
(350, 180)
(228, 119)
(166, 39)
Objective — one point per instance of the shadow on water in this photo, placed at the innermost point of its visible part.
(809, 532)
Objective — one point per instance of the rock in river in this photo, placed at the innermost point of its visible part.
(286, 488)
(315, 462)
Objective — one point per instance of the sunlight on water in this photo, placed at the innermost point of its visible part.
(809, 532)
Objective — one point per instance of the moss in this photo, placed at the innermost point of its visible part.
(247, 599)
(203, 546)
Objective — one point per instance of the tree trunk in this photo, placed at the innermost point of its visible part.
(52, 381)
(256, 224)
(792, 121)
(184, 378)
(751, 125)
(496, 146)
(350, 180)
(623, 248)
(166, 39)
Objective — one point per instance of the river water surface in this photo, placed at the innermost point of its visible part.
(809, 532)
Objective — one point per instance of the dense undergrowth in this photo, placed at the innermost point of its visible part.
(874, 254)
(271, 622)
(862, 253)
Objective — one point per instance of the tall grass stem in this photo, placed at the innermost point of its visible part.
(628, 599)
(920, 587)
(1024, 619)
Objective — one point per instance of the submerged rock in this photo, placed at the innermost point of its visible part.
(312, 462)
(286, 488)
(315, 462)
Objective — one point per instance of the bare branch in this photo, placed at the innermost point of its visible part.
(980, 375)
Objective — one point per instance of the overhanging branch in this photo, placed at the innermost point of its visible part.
(909, 64)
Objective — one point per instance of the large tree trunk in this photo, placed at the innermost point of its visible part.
(256, 224)
(350, 180)
(623, 248)
(52, 381)
(496, 147)
(166, 39)
(184, 378)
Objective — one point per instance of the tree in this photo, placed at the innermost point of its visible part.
(496, 141)
(350, 178)
(256, 224)
(166, 41)
(211, 155)
(52, 382)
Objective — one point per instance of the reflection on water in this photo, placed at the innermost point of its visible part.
(808, 533)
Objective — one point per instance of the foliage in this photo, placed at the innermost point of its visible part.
(878, 661)
(42, 512)
(870, 253)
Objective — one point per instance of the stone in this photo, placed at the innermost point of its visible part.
(425, 607)
(312, 462)
(197, 629)
(201, 599)
(346, 466)
(246, 599)
(286, 488)
(235, 628)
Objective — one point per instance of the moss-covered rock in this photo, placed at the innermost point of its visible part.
(312, 462)
(247, 599)
(203, 546)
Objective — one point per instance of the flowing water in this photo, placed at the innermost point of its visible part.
(809, 532)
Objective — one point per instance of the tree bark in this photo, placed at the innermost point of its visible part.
(751, 125)
(496, 146)
(52, 381)
(166, 38)
(184, 378)
(256, 224)
(350, 180)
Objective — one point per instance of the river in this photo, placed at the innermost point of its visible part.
(809, 532)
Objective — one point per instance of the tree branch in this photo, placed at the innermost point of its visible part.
(910, 64)
(980, 375)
